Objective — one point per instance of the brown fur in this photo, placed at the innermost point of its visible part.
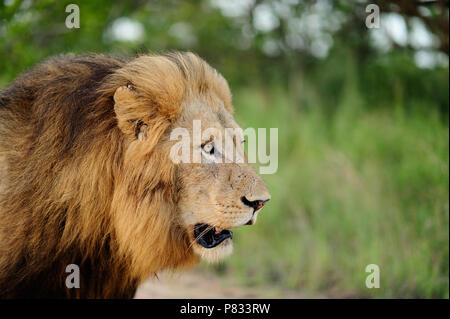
(77, 185)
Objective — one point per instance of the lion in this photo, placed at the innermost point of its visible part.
(87, 177)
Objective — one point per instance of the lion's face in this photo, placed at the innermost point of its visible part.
(219, 193)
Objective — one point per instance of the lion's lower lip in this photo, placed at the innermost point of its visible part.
(210, 239)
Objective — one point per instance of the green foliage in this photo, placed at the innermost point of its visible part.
(361, 187)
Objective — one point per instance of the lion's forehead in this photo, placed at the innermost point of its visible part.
(209, 114)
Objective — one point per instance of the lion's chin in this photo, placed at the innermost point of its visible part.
(215, 254)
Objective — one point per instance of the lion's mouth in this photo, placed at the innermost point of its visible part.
(209, 237)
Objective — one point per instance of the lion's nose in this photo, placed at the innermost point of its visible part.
(255, 204)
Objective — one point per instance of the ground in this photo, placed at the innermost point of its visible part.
(197, 284)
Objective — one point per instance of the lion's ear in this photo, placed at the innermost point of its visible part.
(131, 114)
(154, 98)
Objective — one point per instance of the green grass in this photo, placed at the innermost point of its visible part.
(352, 189)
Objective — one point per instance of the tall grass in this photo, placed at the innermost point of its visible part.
(356, 188)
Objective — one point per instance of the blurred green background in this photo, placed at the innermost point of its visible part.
(362, 114)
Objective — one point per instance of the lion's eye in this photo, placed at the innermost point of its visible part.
(209, 148)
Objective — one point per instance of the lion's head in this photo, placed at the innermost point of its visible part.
(207, 197)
